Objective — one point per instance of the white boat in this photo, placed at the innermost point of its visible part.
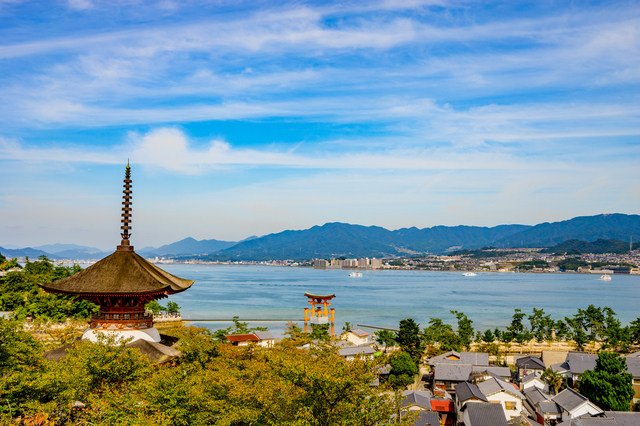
(605, 277)
(355, 274)
(469, 274)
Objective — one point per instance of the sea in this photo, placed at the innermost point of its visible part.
(381, 298)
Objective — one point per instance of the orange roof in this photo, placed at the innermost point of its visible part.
(242, 338)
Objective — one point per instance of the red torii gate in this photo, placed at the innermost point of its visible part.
(319, 313)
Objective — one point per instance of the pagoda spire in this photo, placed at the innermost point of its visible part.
(126, 211)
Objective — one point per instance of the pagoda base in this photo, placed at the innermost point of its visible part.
(148, 334)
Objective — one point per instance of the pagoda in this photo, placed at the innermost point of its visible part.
(121, 284)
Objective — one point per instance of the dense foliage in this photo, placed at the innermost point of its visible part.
(599, 246)
(19, 292)
(609, 386)
(105, 383)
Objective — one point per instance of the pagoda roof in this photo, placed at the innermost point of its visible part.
(121, 273)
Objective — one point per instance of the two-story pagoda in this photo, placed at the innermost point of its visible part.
(121, 284)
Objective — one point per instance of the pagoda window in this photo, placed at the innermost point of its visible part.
(116, 316)
(106, 316)
(135, 316)
(127, 316)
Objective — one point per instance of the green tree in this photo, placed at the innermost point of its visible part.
(541, 325)
(384, 338)
(518, 331)
(465, 329)
(408, 337)
(488, 337)
(173, 308)
(553, 379)
(155, 307)
(608, 385)
(442, 334)
(403, 370)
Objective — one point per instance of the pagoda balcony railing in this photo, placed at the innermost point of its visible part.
(121, 317)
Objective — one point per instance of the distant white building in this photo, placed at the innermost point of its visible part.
(356, 336)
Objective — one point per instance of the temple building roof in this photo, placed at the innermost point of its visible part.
(121, 273)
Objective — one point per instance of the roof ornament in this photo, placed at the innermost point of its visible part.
(126, 211)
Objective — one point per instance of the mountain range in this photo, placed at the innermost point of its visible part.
(342, 239)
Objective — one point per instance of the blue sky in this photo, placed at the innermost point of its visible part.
(248, 118)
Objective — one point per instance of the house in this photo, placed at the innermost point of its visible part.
(575, 364)
(427, 418)
(504, 393)
(356, 336)
(483, 414)
(443, 408)
(523, 421)
(351, 352)
(529, 364)
(467, 393)
(633, 368)
(546, 411)
(259, 338)
(447, 376)
(573, 405)
(471, 358)
(481, 373)
(533, 380)
(416, 400)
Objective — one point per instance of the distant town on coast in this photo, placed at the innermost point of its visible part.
(590, 244)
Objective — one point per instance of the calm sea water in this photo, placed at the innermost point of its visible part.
(383, 298)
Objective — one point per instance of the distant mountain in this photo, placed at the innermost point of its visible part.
(342, 239)
(80, 254)
(57, 248)
(585, 228)
(189, 246)
(11, 246)
(597, 247)
(28, 251)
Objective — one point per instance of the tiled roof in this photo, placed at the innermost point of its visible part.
(531, 362)
(421, 398)
(569, 399)
(560, 367)
(242, 337)
(264, 335)
(494, 371)
(466, 391)
(355, 350)
(549, 407)
(624, 418)
(535, 396)
(485, 414)
(633, 366)
(474, 358)
(581, 362)
(492, 386)
(359, 332)
(427, 418)
(452, 372)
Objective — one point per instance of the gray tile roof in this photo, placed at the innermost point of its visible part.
(522, 420)
(581, 362)
(427, 418)
(593, 421)
(529, 377)
(263, 335)
(624, 418)
(359, 332)
(474, 358)
(560, 367)
(355, 350)
(421, 398)
(633, 366)
(452, 372)
(494, 371)
(493, 385)
(485, 414)
(531, 362)
(466, 391)
(569, 399)
(549, 407)
(535, 396)
(634, 355)
(442, 358)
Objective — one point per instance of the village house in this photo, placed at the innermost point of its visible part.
(259, 338)
(356, 336)
(483, 414)
(351, 352)
(529, 364)
(467, 393)
(573, 405)
(633, 368)
(575, 364)
(533, 380)
(504, 393)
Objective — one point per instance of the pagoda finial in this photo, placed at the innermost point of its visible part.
(126, 211)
